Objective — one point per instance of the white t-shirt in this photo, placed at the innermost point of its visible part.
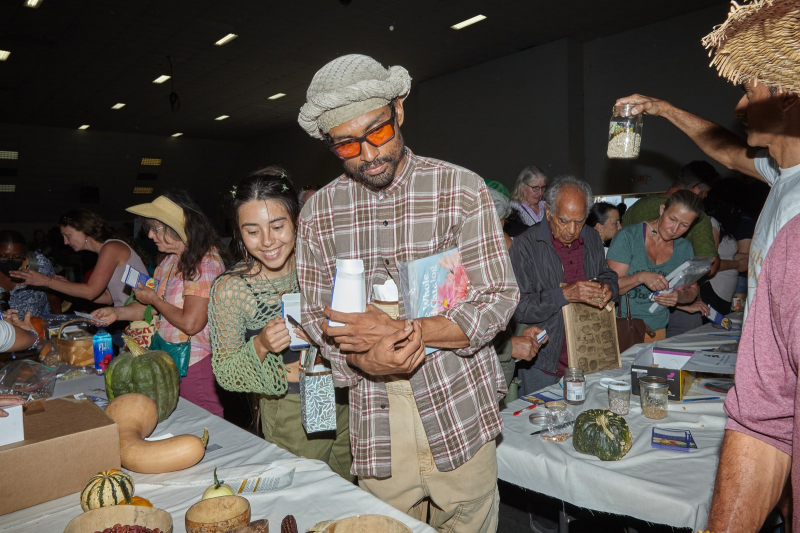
(782, 204)
(724, 283)
(7, 336)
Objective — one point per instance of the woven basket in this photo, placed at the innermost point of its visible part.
(76, 353)
(759, 42)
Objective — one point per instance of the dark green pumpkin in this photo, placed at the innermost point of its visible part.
(602, 433)
(152, 373)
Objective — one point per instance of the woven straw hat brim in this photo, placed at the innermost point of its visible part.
(759, 41)
(164, 210)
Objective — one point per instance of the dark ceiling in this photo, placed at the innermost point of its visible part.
(71, 60)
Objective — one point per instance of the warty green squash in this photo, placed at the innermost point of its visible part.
(152, 373)
(602, 433)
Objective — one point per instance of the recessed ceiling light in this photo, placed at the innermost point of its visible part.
(150, 161)
(467, 22)
(4, 55)
(276, 96)
(84, 127)
(8, 154)
(32, 3)
(225, 40)
(222, 117)
(8, 188)
(117, 106)
(177, 134)
(143, 190)
(161, 79)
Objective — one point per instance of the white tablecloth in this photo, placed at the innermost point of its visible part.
(650, 484)
(316, 493)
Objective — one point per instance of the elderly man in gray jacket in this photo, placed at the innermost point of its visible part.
(559, 249)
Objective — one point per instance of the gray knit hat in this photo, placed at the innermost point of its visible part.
(348, 87)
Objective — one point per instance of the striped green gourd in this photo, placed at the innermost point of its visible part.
(107, 488)
(152, 373)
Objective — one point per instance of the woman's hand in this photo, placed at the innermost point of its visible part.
(653, 281)
(31, 277)
(301, 334)
(25, 323)
(275, 336)
(106, 314)
(667, 299)
(698, 306)
(146, 295)
(7, 400)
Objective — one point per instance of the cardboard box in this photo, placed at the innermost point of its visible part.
(591, 334)
(67, 441)
(665, 363)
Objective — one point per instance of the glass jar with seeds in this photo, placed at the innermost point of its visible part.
(624, 133)
(654, 395)
(619, 397)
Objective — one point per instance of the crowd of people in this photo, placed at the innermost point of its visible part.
(418, 408)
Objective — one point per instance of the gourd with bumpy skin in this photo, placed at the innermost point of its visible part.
(602, 433)
(106, 489)
(152, 373)
(137, 416)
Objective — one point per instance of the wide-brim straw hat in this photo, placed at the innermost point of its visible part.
(165, 210)
(759, 42)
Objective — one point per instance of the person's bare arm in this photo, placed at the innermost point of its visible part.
(652, 280)
(750, 479)
(717, 142)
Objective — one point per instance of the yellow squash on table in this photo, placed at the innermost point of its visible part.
(137, 417)
(217, 489)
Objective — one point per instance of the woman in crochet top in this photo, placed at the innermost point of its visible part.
(249, 337)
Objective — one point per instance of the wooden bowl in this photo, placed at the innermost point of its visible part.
(127, 515)
(259, 526)
(367, 523)
(217, 515)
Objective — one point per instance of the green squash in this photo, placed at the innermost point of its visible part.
(602, 433)
(152, 373)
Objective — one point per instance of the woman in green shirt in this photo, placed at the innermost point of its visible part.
(644, 254)
(249, 338)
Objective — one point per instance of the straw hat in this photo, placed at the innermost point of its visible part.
(759, 42)
(164, 210)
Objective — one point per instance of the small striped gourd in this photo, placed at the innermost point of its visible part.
(107, 488)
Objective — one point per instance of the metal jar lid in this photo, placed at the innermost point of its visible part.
(653, 382)
(619, 385)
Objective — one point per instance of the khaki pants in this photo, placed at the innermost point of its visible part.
(464, 500)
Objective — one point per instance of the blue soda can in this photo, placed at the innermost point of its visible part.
(103, 351)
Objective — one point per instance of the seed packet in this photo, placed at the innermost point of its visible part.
(679, 440)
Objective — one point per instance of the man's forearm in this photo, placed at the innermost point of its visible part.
(440, 332)
(750, 478)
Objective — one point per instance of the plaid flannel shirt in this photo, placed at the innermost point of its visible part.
(429, 208)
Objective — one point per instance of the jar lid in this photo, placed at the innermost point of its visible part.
(538, 418)
(574, 371)
(653, 382)
(556, 406)
(619, 385)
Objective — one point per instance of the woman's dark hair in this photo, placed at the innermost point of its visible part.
(12, 237)
(268, 183)
(598, 213)
(724, 204)
(89, 223)
(687, 199)
(201, 236)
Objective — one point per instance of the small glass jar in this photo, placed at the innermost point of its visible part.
(619, 397)
(574, 386)
(624, 133)
(558, 422)
(654, 395)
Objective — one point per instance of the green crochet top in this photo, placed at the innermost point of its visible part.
(233, 309)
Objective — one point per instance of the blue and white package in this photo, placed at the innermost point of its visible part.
(718, 318)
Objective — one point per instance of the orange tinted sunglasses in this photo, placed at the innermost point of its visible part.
(377, 136)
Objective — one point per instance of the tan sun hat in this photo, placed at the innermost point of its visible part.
(164, 210)
(759, 42)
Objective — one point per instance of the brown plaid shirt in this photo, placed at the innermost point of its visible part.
(429, 208)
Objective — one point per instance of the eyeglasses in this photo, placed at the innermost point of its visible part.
(156, 229)
(537, 189)
(377, 136)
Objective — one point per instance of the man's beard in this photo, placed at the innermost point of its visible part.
(385, 178)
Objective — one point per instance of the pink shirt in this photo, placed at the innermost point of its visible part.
(177, 289)
(765, 398)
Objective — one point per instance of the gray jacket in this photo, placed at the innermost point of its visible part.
(539, 275)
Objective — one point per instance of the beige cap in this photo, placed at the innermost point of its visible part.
(164, 210)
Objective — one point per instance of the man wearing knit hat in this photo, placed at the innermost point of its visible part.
(422, 427)
(758, 47)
